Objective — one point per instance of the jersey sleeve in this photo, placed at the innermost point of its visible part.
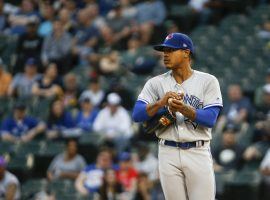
(212, 94)
(32, 122)
(148, 93)
(6, 126)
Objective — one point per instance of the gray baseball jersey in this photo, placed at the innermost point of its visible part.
(201, 90)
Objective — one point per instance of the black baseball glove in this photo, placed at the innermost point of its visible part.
(159, 122)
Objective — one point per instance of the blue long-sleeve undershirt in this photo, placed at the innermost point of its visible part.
(139, 113)
(205, 117)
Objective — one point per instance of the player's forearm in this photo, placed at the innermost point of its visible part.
(188, 111)
(152, 109)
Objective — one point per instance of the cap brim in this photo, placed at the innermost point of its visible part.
(161, 47)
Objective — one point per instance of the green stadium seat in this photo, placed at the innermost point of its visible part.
(31, 187)
(6, 148)
(5, 108)
(40, 107)
(47, 151)
(83, 75)
(21, 165)
(244, 185)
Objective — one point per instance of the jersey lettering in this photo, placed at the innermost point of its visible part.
(193, 101)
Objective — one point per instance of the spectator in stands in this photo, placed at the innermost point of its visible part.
(111, 188)
(120, 25)
(5, 80)
(94, 92)
(148, 18)
(68, 164)
(264, 33)
(70, 5)
(22, 83)
(106, 44)
(60, 122)
(3, 17)
(71, 90)
(98, 20)
(146, 12)
(213, 11)
(237, 110)
(257, 150)
(86, 37)
(265, 171)
(114, 123)
(105, 6)
(263, 110)
(146, 162)
(20, 127)
(228, 155)
(143, 188)
(65, 19)
(126, 174)
(47, 16)
(262, 114)
(86, 115)
(126, 93)
(109, 64)
(91, 178)
(171, 26)
(57, 47)
(128, 9)
(48, 85)
(259, 91)
(29, 46)
(197, 10)
(23, 16)
(9, 183)
(138, 59)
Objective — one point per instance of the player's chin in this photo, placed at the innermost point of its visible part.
(167, 65)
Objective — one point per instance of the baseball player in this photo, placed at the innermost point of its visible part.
(194, 98)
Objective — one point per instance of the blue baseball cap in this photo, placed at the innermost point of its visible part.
(176, 41)
(31, 61)
(124, 156)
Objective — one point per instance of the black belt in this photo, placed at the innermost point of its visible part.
(182, 145)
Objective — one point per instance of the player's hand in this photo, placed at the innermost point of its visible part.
(168, 95)
(176, 105)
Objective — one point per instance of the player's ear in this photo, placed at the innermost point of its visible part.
(186, 53)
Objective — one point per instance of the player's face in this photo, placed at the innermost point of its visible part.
(173, 57)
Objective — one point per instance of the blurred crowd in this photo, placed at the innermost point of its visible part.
(111, 40)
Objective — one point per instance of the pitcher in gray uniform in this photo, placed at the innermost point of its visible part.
(185, 161)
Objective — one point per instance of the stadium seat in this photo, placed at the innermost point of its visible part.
(88, 146)
(5, 108)
(244, 185)
(31, 187)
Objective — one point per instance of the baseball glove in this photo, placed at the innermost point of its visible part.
(159, 122)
